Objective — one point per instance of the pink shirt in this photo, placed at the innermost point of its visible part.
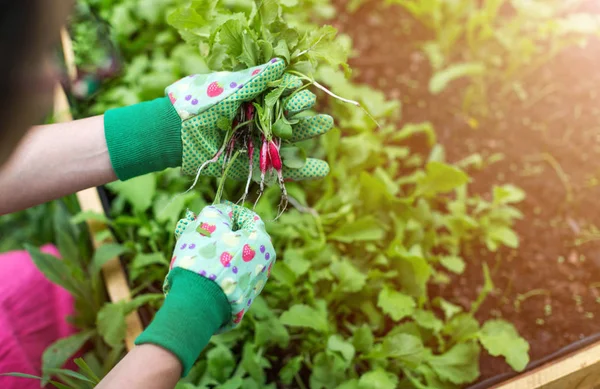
(33, 315)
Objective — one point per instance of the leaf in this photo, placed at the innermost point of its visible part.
(339, 344)
(427, 319)
(87, 370)
(441, 79)
(282, 50)
(500, 338)
(53, 269)
(220, 363)
(378, 379)
(250, 53)
(352, 384)
(410, 129)
(440, 178)
(404, 347)
(67, 246)
(269, 11)
(350, 279)
(453, 263)
(462, 327)
(273, 96)
(230, 36)
(266, 48)
(141, 300)
(232, 383)
(142, 260)
(362, 339)
(504, 235)
(84, 216)
(283, 129)
(301, 315)
(364, 229)
(508, 194)
(447, 307)
(249, 362)
(224, 124)
(328, 370)
(413, 273)
(271, 331)
(69, 373)
(290, 369)
(105, 253)
(395, 304)
(138, 191)
(459, 365)
(110, 322)
(57, 354)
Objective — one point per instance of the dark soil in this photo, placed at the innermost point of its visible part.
(555, 130)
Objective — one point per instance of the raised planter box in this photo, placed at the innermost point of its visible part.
(578, 369)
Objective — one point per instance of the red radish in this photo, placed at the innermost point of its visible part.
(249, 111)
(278, 166)
(274, 155)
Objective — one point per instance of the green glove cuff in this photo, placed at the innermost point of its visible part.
(143, 138)
(194, 309)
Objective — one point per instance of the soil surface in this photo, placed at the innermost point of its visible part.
(550, 143)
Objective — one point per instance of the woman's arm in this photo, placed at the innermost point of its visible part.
(53, 161)
(146, 366)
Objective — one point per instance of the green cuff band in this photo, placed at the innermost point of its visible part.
(194, 309)
(143, 138)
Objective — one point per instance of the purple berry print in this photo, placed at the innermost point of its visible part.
(183, 246)
(234, 270)
(274, 60)
(192, 246)
(233, 84)
(212, 277)
(249, 302)
(195, 101)
(240, 86)
(263, 269)
(188, 97)
(267, 256)
(262, 249)
(203, 273)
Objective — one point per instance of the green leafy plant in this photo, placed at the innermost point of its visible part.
(350, 302)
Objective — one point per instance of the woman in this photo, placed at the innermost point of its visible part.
(214, 276)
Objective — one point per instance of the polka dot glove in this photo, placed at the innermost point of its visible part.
(201, 100)
(227, 244)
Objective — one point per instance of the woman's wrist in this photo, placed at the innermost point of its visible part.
(143, 138)
(194, 309)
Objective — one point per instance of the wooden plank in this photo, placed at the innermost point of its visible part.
(578, 370)
(89, 200)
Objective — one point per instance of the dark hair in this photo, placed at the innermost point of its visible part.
(20, 26)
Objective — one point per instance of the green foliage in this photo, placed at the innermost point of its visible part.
(348, 305)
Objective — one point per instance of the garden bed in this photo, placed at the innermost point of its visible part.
(548, 287)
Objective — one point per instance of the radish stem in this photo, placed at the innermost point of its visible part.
(224, 178)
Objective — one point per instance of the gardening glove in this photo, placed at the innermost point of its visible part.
(221, 262)
(181, 129)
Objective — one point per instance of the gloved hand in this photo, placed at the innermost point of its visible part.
(220, 264)
(181, 130)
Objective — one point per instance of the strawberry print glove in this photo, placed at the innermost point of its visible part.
(221, 262)
(229, 245)
(201, 100)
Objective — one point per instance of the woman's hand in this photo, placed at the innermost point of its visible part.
(221, 263)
